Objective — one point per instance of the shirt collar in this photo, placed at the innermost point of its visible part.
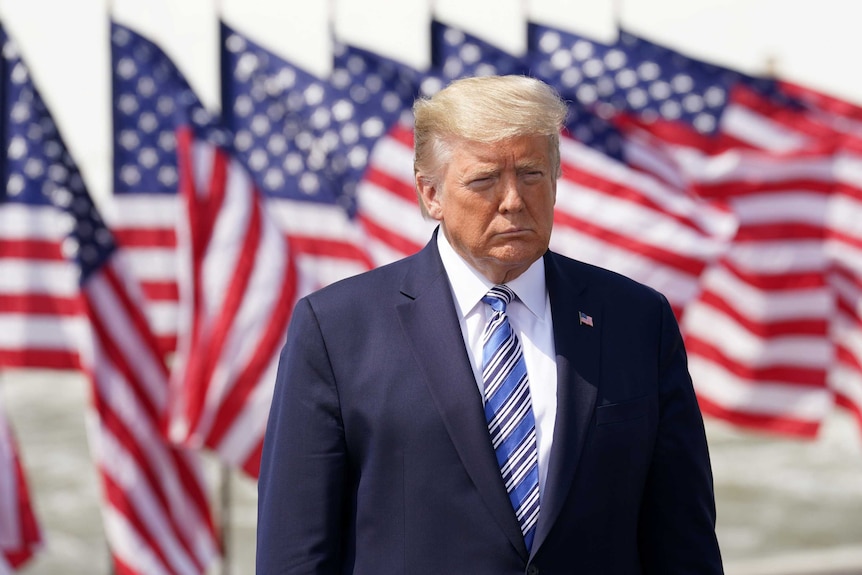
(469, 286)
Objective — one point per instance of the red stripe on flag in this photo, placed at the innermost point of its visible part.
(200, 372)
(160, 290)
(321, 247)
(123, 568)
(784, 374)
(40, 358)
(608, 187)
(403, 134)
(115, 495)
(166, 343)
(236, 400)
(795, 231)
(736, 188)
(20, 509)
(390, 183)
(41, 304)
(31, 249)
(762, 328)
(388, 237)
(789, 280)
(121, 363)
(146, 237)
(252, 464)
(679, 134)
(792, 118)
(762, 421)
(845, 238)
(846, 356)
(854, 408)
(135, 315)
(691, 266)
(117, 426)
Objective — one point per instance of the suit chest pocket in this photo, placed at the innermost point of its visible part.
(622, 441)
(624, 411)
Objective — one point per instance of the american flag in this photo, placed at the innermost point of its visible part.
(834, 122)
(680, 97)
(20, 536)
(40, 305)
(759, 330)
(30, 308)
(236, 281)
(782, 287)
(303, 142)
(151, 101)
(386, 202)
(241, 289)
(757, 334)
(844, 249)
(839, 115)
(155, 508)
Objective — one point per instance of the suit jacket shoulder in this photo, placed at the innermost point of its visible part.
(405, 277)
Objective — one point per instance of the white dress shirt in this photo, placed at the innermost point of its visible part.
(530, 318)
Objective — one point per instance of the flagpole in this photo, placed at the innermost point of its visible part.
(772, 66)
(225, 516)
(109, 11)
(617, 13)
(224, 499)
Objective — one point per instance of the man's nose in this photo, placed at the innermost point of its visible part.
(512, 200)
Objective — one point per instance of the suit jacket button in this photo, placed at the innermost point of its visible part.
(532, 570)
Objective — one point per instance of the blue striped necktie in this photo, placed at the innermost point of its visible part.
(509, 411)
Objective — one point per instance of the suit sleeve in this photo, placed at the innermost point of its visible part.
(304, 462)
(677, 526)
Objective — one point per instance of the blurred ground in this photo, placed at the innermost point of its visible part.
(785, 507)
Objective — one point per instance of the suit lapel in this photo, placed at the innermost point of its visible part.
(577, 354)
(431, 327)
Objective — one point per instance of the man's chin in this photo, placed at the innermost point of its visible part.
(519, 247)
(514, 256)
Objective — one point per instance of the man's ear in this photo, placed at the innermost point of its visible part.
(429, 197)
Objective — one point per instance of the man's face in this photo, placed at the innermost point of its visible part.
(495, 203)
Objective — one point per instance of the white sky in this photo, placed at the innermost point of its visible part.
(65, 42)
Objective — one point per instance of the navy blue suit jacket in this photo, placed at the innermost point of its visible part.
(377, 458)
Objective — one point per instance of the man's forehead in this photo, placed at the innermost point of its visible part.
(524, 147)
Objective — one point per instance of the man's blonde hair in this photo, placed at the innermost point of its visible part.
(485, 109)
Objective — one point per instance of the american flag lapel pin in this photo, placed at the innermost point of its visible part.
(584, 319)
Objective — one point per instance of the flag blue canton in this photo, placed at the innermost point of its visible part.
(631, 75)
(636, 77)
(39, 171)
(639, 77)
(382, 91)
(711, 85)
(304, 137)
(457, 54)
(151, 100)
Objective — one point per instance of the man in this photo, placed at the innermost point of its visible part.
(486, 406)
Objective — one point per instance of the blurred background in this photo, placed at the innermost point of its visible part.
(787, 504)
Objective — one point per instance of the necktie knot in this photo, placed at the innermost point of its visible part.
(498, 297)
